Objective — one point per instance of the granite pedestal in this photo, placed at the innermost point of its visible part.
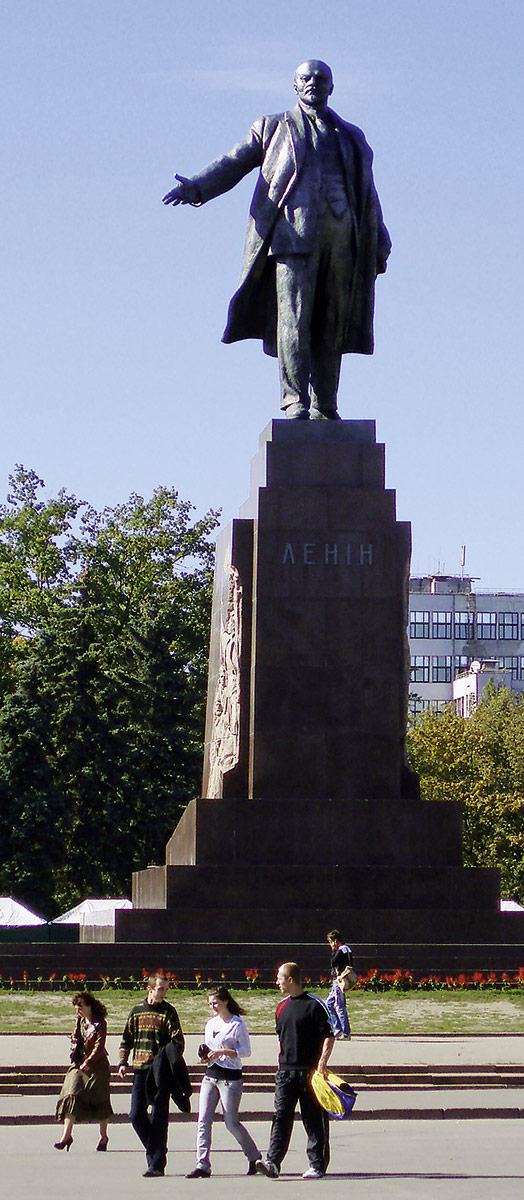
(309, 657)
(310, 817)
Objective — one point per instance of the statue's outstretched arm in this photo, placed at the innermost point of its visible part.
(185, 192)
(222, 174)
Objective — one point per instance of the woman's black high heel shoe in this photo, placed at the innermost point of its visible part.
(102, 1145)
(65, 1145)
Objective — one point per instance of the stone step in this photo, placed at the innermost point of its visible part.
(421, 1103)
(40, 1081)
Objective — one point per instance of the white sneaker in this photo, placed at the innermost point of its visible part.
(313, 1173)
(267, 1168)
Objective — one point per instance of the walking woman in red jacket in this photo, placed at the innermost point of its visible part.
(85, 1091)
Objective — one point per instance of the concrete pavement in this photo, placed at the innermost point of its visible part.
(52, 1049)
(372, 1157)
(397, 1160)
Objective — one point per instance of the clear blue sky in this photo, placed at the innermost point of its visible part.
(114, 378)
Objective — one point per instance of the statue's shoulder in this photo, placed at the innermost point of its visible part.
(273, 120)
(271, 128)
(347, 127)
(356, 135)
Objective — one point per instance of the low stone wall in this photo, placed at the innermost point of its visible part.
(235, 961)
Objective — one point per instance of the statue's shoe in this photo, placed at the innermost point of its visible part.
(296, 412)
(317, 414)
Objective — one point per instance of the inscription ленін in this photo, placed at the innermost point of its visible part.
(314, 554)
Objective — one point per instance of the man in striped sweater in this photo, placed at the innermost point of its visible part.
(149, 1027)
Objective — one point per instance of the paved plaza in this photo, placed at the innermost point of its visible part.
(21, 1050)
(426, 1160)
(411, 1156)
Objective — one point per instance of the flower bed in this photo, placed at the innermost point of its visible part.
(372, 981)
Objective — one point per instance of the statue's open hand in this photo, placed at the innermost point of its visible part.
(185, 192)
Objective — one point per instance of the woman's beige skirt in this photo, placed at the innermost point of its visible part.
(85, 1096)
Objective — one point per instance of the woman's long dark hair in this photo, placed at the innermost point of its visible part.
(222, 993)
(98, 1010)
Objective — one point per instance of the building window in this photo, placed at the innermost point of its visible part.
(465, 705)
(487, 626)
(463, 626)
(419, 625)
(417, 705)
(509, 626)
(441, 669)
(521, 668)
(512, 665)
(441, 624)
(420, 668)
(460, 663)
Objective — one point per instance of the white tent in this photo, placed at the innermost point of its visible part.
(92, 912)
(13, 913)
(510, 906)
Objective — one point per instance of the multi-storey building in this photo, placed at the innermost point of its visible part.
(451, 626)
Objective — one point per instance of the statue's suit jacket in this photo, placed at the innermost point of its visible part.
(283, 218)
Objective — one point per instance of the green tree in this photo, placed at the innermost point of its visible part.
(110, 689)
(38, 552)
(32, 807)
(151, 552)
(480, 762)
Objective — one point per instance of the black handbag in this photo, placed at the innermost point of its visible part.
(77, 1050)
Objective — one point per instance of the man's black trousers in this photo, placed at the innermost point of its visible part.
(151, 1129)
(292, 1087)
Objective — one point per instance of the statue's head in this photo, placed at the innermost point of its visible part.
(313, 82)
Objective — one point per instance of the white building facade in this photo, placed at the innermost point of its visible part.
(451, 626)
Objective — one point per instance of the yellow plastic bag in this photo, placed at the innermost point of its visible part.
(333, 1094)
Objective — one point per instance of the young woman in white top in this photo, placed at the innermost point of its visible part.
(226, 1044)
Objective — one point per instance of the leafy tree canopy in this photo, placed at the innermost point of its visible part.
(479, 761)
(104, 625)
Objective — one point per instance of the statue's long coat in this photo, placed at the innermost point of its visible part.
(277, 144)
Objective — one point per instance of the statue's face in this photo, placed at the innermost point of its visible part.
(313, 83)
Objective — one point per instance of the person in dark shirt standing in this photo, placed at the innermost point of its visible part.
(306, 1041)
(341, 957)
(149, 1027)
